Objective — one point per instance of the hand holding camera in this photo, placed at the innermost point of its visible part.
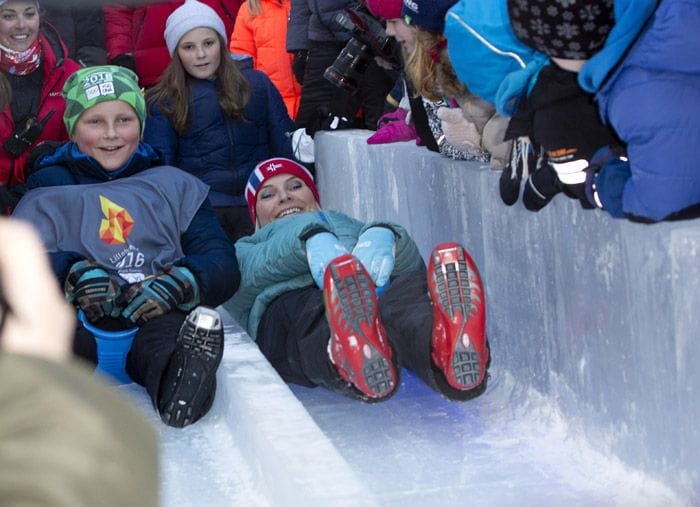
(25, 134)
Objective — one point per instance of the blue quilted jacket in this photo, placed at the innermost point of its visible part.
(652, 101)
(219, 150)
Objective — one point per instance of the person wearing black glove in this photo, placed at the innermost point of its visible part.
(561, 118)
(558, 114)
(134, 242)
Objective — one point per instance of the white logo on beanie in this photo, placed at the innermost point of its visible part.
(98, 83)
(411, 5)
(273, 167)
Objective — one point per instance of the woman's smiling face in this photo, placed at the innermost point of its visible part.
(19, 24)
(282, 196)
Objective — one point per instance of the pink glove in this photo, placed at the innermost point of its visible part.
(459, 132)
(393, 128)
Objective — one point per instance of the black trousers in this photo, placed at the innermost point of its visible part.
(318, 92)
(293, 335)
(150, 352)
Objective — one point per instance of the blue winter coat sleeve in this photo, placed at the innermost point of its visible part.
(211, 257)
(161, 135)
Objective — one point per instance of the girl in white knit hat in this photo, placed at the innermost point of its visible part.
(213, 116)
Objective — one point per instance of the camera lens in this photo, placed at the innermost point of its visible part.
(349, 66)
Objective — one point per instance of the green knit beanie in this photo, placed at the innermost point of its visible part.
(92, 85)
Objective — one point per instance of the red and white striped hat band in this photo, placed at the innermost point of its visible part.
(272, 167)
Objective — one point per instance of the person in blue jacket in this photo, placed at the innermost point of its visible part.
(134, 242)
(641, 66)
(308, 296)
(211, 119)
(647, 85)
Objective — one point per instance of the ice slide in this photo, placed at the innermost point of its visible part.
(593, 392)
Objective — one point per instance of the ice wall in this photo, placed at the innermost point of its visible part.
(599, 315)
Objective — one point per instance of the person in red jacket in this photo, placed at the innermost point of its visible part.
(134, 35)
(34, 65)
(261, 32)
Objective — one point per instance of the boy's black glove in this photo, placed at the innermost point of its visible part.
(540, 188)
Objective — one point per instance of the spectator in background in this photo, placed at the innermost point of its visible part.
(471, 125)
(495, 66)
(66, 439)
(415, 115)
(557, 114)
(34, 64)
(313, 309)
(134, 243)
(134, 34)
(81, 27)
(261, 32)
(211, 119)
(298, 36)
(323, 104)
(641, 62)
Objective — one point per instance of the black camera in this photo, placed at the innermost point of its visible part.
(369, 39)
(24, 135)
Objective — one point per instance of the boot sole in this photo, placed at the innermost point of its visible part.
(189, 382)
(358, 307)
(451, 283)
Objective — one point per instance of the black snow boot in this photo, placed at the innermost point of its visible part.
(189, 382)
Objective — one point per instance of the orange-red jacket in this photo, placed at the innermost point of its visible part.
(264, 38)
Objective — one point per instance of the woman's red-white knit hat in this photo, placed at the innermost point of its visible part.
(272, 167)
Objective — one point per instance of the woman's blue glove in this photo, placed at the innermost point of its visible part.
(321, 249)
(375, 250)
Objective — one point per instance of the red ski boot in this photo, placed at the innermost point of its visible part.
(358, 346)
(459, 346)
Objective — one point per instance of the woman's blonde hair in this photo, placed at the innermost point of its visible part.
(255, 8)
(172, 92)
(430, 78)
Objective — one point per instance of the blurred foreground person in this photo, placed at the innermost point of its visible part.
(66, 439)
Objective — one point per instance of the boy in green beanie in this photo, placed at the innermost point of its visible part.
(134, 243)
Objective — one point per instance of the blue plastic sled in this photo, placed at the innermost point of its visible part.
(112, 348)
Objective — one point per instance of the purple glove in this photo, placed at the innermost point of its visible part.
(393, 128)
